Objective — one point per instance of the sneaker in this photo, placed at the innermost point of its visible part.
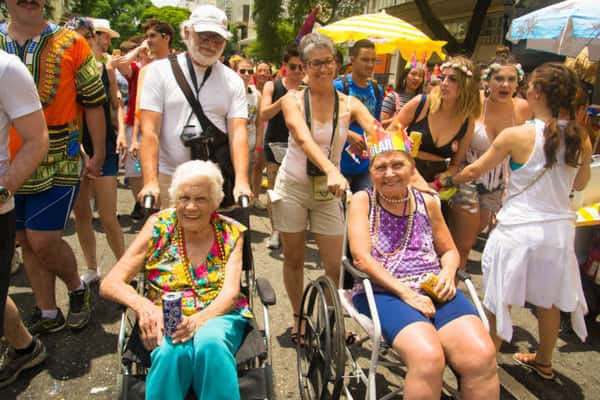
(39, 325)
(273, 241)
(90, 276)
(79, 308)
(17, 260)
(14, 363)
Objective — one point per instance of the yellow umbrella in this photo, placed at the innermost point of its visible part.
(387, 32)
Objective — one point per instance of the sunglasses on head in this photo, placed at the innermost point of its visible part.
(294, 67)
(246, 71)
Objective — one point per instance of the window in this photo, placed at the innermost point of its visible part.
(246, 13)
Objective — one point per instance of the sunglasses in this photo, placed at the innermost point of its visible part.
(294, 67)
(246, 71)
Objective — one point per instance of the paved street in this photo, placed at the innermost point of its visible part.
(83, 365)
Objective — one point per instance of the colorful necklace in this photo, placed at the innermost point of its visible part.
(187, 263)
(407, 234)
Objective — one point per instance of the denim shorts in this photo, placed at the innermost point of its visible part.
(395, 314)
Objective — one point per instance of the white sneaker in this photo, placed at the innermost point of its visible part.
(90, 276)
(17, 260)
(273, 241)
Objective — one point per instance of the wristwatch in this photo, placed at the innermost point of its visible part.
(5, 194)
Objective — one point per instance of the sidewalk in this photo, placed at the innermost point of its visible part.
(84, 365)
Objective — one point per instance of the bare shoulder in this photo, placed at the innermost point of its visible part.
(522, 109)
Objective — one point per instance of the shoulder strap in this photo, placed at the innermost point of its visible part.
(187, 92)
(530, 184)
(308, 116)
(419, 108)
(346, 86)
(375, 89)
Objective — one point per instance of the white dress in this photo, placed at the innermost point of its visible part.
(530, 256)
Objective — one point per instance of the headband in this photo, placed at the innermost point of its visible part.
(495, 67)
(459, 67)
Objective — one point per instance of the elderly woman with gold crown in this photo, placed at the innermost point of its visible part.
(398, 234)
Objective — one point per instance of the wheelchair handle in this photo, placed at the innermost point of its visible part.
(148, 201)
(244, 201)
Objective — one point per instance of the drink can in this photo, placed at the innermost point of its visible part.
(415, 137)
(171, 305)
(428, 281)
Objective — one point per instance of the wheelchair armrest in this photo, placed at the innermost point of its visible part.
(463, 276)
(356, 273)
(265, 292)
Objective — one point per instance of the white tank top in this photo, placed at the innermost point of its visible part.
(494, 178)
(293, 166)
(547, 199)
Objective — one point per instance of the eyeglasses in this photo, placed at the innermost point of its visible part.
(246, 71)
(316, 64)
(294, 67)
(213, 37)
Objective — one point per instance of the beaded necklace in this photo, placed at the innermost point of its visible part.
(409, 225)
(188, 265)
(394, 201)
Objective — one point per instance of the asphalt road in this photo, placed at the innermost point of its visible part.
(83, 365)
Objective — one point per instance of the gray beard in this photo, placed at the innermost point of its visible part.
(202, 59)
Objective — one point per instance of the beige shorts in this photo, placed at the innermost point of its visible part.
(296, 209)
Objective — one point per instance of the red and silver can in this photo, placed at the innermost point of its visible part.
(171, 306)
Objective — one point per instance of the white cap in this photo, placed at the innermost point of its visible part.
(103, 25)
(208, 18)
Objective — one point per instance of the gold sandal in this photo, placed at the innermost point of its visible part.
(528, 360)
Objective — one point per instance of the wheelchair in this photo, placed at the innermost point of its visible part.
(324, 356)
(253, 358)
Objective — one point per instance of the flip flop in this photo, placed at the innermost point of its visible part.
(528, 360)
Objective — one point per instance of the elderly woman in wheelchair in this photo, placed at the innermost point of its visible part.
(195, 251)
(398, 234)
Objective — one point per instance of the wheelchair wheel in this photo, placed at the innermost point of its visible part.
(321, 353)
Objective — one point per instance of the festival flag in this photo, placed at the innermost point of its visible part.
(307, 27)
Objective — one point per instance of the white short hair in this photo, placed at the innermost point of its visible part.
(194, 169)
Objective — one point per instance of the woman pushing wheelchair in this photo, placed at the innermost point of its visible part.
(398, 234)
(192, 250)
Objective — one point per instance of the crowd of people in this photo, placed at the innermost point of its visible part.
(194, 133)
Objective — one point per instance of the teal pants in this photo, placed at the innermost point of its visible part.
(206, 362)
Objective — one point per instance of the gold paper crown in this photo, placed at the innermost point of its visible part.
(381, 141)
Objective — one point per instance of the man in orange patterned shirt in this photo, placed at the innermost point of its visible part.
(67, 79)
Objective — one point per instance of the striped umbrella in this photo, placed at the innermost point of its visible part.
(387, 32)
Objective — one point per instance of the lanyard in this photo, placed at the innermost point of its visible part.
(193, 74)
(308, 114)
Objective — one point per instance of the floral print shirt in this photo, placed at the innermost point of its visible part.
(165, 269)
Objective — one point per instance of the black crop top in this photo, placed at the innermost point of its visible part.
(427, 144)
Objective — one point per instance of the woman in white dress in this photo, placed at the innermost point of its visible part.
(529, 256)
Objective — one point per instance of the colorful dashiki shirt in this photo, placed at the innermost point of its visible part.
(165, 270)
(66, 76)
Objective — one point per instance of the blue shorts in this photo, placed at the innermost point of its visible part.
(45, 211)
(111, 165)
(395, 315)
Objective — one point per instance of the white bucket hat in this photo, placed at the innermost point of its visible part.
(208, 18)
(103, 25)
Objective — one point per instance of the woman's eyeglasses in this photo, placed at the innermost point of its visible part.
(316, 64)
(245, 71)
(294, 67)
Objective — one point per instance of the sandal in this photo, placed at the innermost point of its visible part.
(528, 360)
(297, 338)
(351, 338)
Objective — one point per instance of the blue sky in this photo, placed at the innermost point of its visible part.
(162, 3)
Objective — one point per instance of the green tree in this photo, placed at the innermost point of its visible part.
(267, 17)
(331, 10)
(174, 16)
(125, 16)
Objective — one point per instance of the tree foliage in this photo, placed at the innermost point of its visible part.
(267, 17)
(331, 10)
(125, 16)
(174, 16)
